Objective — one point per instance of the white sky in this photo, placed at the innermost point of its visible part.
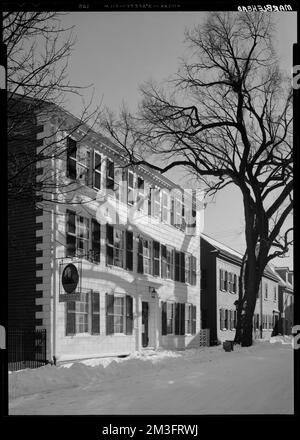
(118, 51)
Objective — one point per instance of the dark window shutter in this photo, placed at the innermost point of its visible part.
(163, 318)
(71, 158)
(156, 258)
(182, 319)
(129, 315)
(182, 267)
(95, 313)
(194, 316)
(177, 318)
(226, 281)
(95, 241)
(163, 261)
(109, 313)
(70, 325)
(235, 283)
(221, 279)
(193, 269)
(150, 195)
(172, 213)
(109, 244)
(71, 246)
(129, 250)
(177, 266)
(140, 267)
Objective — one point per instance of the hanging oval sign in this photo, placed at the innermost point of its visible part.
(70, 278)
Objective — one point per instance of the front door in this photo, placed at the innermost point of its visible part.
(145, 315)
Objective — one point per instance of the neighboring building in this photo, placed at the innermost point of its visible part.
(104, 275)
(286, 299)
(220, 270)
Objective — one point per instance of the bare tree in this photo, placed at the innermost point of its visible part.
(38, 54)
(227, 117)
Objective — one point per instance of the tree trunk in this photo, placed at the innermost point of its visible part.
(240, 302)
(252, 281)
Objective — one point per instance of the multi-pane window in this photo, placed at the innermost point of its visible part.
(83, 316)
(225, 280)
(164, 206)
(114, 246)
(188, 319)
(78, 161)
(130, 188)
(119, 314)
(188, 269)
(178, 318)
(180, 266)
(147, 256)
(77, 315)
(170, 318)
(110, 174)
(156, 258)
(97, 170)
(226, 319)
(129, 250)
(222, 279)
(178, 209)
(78, 239)
(144, 256)
(167, 264)
(82, 232)
(170, 263)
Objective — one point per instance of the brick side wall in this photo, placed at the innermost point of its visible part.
(22, 235)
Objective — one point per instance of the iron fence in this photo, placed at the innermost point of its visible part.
(26, 348)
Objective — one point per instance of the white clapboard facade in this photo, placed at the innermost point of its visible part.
(118, 254)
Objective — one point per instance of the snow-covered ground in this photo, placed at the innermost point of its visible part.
(253, 380)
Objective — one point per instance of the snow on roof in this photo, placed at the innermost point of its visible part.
(222, 246)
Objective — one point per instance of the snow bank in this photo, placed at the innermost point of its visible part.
(94, 371)
(282, 339)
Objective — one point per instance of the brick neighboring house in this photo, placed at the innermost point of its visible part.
(286, 299)
(220, 271)
(129, 282)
